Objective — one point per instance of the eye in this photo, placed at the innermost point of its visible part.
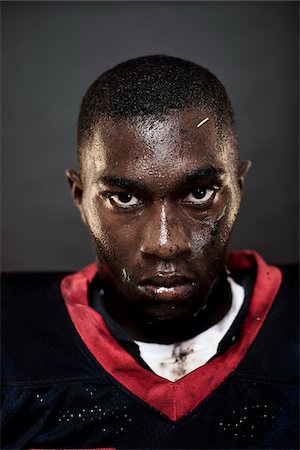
(124, 199)
(199, 196)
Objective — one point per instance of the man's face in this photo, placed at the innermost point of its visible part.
(160, 198)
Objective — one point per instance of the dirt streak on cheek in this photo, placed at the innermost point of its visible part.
(201, 238)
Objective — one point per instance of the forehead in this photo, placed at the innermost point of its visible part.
(164, 147)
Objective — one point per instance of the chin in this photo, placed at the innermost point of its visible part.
(167, 313)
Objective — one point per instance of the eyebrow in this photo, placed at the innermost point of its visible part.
(121, 182)
(206, 172)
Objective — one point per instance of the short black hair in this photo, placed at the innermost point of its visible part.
(155, 85)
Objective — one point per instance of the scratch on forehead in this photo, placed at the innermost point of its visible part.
(202, 122)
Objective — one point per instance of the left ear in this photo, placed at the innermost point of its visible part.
(243, 169)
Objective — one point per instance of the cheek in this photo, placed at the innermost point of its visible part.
(201, 237)
(212, 234)
(210, 238)
(112, 242)
(98, 226)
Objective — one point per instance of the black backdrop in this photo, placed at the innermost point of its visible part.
(52, 51)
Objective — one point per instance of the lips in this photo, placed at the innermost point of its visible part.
(168, 287)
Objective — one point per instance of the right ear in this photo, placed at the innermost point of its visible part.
(75, 184)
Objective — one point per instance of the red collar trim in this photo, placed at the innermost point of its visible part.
(174, 399)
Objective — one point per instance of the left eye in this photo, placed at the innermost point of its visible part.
(124, 199)
(199, 196)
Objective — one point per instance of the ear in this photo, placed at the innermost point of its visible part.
(243, 169)
(75, 184)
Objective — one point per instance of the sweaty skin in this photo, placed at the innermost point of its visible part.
(150, 192)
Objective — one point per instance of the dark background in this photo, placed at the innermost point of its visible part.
(51, 52)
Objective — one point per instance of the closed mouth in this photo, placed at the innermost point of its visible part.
(166, 280)
(168, 287)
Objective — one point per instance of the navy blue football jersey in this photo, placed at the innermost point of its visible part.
(68, 383)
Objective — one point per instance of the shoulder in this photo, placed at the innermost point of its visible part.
(284, 313)
(27, 296)
(275, 351)
(286, 303)
(23, 291)
(36, 329)
(21, 283)
(290, 277)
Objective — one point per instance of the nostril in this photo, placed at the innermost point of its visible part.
(174, 249)
(165, 252)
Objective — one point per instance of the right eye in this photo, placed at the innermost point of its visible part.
(124, 200)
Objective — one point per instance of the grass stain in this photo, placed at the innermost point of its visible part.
(222, 213)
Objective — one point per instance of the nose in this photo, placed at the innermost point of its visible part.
(164, 237)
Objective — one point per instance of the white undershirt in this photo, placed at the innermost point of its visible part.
(174, 361)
